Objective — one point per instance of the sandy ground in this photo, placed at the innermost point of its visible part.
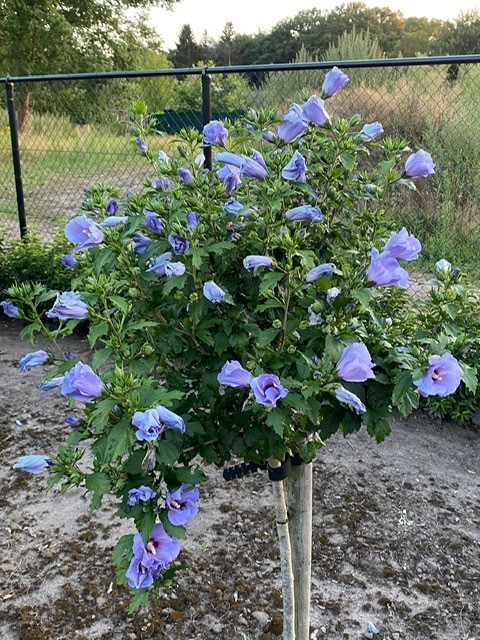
(396, 539)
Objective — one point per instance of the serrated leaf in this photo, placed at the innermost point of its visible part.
(144, 522)
(97, 331)
(100, 357)
(190, 475)
(119, 302)
(348, 160)
(269, 281)
(140, 600)
(98, 482)
(167, 453)
(469, 376)
(404, 396)
(276, 419)
(265, 337)
(174, 282)
(178, 532)
(364, 296)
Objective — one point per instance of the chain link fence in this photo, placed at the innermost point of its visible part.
(72, 132)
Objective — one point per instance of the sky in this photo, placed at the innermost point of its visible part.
(250, 16)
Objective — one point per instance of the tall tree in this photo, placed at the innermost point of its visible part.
(187, 52)
(462, 36)
(227, 51)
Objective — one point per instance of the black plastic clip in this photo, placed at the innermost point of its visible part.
(243, 469)
(283, 471)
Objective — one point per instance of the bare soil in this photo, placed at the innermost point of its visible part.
(396, 539)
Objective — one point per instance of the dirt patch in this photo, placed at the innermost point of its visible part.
(396, 539)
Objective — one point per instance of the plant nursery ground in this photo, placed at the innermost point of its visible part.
(396, 539)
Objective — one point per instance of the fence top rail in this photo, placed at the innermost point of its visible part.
(254, 68)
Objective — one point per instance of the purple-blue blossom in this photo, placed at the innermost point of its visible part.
(152, 422)
(68, 306)
(159, 263)
(114, 221)
(234, 375)
(355, 364)
(230, 176)
(150, 559)
(9, 309)
(403, 246)
(153, 222)
(443, 265)
(162, 183)
(347, 397)
(293, 124)
(215, 132)
(142, 146)
(142, 494)
(82, 383)
(33, 359)
(83, 232)
(250, 262)
(71, 420)
(267, 389)
(385, 271)
(370, 131)
(193, 219)
(178, 244)
(296, 169)
(112, 207)
(321, 270)
(182, 504)
(185, 176)
(162, 157)
(441, 378)
(213, 292)
(34, 463)
(140, 243)
(314, 111)
(48, 385)
(334, 81)
(174, 269)
(253, 167)
(419, 165)
(235, 207)
(332, 294)
(371, 628)
(68, 261)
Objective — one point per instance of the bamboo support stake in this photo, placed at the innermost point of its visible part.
(299, 502)
(281, 515)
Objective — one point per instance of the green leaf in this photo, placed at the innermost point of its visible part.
(276, 419)
(270, 304)
(100, 357)
(45, 296)
(219, 247)
(348, 160)
(221, 342)
(98, 482)
(189, 475)
(174, 282)
(96, 331)
(364, 296)
(197, 254)
(140, 600)
(167, 453)
(386, 166)
(121, 557)
(144, 523)
(269, 281)
(265, 337)
(178, 532)
(469, 376)
(119, 302)
(404, 396)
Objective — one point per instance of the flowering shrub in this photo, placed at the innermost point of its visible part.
(249, 311)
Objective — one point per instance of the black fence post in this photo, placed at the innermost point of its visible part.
(17, 168)
(206, 113)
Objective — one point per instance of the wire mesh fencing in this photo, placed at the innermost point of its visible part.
(73, 132)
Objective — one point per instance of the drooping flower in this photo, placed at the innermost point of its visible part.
(321, 270)
(182, 504)
(370, 131)
(441, 378)
(33, 359)
(403, 246)
(162, 157)
(385, 270)
(250, 262)
(140, 243)
(68, 306)
(304, 212)
(162, 183)
(151, 559)
(234, 375)
(334, 81)
(269, 136)
(68, 261)
(253, 167)
(355, 364)
(71, 420)
(199, 161)
(215, 132)
(443, 265)
(81, 383)
(296, 169)
(230, 176)
(83, 232)
(332, 294)
(347, 397)
(33, 463)
(419, 165)
(152, 422)
(185, 176)
(174, 269)
(153, 222)
(213, 292)
(159, 263)
(235, 207)
(178, 244)
(267, 389)
(142, 146)
(114, 221)
(112, 207)
(230, 159)
(48, 385)
(314, 111)
(9, 309)
(292, 125)
(193, 219)
(142, 494)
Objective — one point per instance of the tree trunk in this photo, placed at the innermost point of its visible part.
(299, 502)
(24, 111)
(281, 515)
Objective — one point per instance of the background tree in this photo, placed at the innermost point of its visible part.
(462, 36)
(187, 52)
(227, 50)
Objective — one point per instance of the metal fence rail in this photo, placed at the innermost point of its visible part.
(62, 133)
